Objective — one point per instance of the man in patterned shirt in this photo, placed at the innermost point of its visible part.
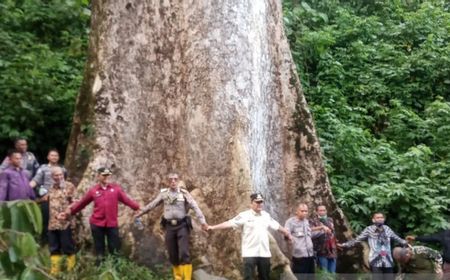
(42, 182)
(379, 238)
(60, 196)
(325, 245)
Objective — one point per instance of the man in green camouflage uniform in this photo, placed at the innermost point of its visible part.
(418, 262)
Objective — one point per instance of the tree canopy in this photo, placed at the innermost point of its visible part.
(376, 75)
(42, 55)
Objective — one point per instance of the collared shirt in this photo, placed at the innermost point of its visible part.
(29, 164)
(43, 175)
(59, 198)
(255, 232)
(380, 254)
(176, 204)
(325, 245)
(106, 204)
(302, 234)
(14, 185)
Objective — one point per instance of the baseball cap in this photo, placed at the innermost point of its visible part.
(256, 197)
(104, 171)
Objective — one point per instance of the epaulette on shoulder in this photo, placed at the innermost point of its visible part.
(184, 190)
(164, 190)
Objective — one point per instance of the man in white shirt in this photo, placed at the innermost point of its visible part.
(255, 224)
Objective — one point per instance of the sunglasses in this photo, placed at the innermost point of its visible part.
(259, 202)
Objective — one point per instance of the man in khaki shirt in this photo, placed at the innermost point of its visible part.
(303, 263)
(177, 224)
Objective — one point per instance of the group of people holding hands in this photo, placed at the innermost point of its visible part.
(311, 240)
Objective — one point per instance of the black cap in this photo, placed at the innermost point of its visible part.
(256, 197)
(104, 171)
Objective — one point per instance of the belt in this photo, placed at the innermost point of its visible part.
(175, 222)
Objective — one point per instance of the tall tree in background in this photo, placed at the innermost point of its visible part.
(207, 88)
(42, 54)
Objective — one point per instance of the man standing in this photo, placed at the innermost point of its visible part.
(60, 196)
(28, 163)
(443, 239)
(14, 184)
(325, 245)
(104, 224)
(379, 238)
(303, 251)
(177, 223)
(43, 182)
(255, 224)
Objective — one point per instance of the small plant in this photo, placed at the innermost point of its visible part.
(20, 255)
(113, 268)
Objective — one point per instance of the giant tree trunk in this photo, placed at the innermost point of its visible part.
(207, 88)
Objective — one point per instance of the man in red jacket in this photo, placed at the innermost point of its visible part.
(106, 197)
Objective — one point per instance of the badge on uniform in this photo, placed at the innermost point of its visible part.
(180, 197)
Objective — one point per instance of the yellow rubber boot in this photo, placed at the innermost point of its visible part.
(186, 271)
(55, 265)
(71, 261)
(177, 275)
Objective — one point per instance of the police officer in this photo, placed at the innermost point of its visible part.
(29, 161)
(177, 224)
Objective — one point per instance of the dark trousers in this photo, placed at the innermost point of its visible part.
(112, 236)
(61, 242)
(303, 267)
(177, 243)
(45, 217)
(262, 265)
(446, 271)
(382, 273)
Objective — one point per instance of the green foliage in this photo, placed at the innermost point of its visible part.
(42, 56)
(22, 258)
(376, 77)
(20, 255)
(113, 269)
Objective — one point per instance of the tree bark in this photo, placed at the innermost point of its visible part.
(207, 88)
